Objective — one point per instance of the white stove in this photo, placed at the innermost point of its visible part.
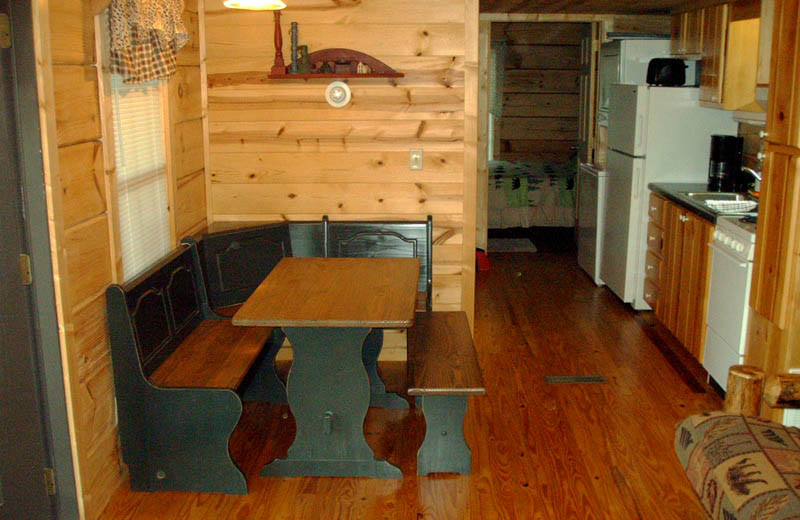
(733, 248)
(736, 236)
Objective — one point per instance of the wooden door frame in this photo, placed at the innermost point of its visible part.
(603, 22)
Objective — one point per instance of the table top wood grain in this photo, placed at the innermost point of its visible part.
(335, 292)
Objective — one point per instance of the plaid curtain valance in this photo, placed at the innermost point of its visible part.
(145, 38)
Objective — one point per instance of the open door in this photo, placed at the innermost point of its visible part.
(36, 473)
(588, 84)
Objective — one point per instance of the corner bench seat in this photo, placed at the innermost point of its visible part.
(180, 375)
(216, 354)
(442, 372)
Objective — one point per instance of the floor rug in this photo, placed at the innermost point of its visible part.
(511, 245)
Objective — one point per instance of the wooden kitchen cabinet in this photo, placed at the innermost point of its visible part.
(783, 119)
(680, 265)
(687, 34)
(765, 41)
(667, 306)
(715, 25)
(776, 255)
(694, 281)
(729, 63)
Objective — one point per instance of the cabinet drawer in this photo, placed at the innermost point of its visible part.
(654, 238)
(652, 267)
(656, 209)
(650, 293)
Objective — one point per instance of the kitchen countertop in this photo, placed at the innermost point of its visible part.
(675, 193)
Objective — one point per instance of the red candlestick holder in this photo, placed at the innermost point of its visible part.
(278, 67)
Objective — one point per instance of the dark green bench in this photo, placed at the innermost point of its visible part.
(180, 375)
(443, 372)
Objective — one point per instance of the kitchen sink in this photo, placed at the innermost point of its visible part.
(703, 196)
(721, 203)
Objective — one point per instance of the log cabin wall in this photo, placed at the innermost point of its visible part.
(186, 137)
(541, 91)
(82, 239)
(279, 151)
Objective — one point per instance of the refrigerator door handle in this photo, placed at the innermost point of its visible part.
(637, 177)
(639, 131)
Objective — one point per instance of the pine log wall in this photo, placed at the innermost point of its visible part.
(82, 238)
(278, 151)
(541, 91)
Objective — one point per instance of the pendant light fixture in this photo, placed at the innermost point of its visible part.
(255, 5)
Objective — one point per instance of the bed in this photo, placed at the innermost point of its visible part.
(528, 194)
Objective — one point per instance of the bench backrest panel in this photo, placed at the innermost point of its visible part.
(385, 240)
(308, 239)
(164, 306)
(236, 262)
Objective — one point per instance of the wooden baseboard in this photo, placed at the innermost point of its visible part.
(682, 361)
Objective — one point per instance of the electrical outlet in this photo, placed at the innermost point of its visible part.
(415, 159)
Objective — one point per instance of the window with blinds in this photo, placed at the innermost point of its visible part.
(141, 174)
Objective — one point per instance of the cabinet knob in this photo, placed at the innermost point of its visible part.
(760, 156)
(762, 134)
(647, 296)
(649, 267)
(651, 238)
(653, 209)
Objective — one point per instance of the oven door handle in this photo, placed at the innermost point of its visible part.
(723, 252)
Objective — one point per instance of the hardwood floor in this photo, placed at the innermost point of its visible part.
(540, 451)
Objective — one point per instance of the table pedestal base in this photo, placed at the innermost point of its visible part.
(329, 394)
(378, 395)
(444, 449)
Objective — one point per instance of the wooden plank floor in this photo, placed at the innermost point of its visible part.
(540, 451)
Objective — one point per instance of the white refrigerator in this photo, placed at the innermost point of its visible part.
(626, 61)
(655, 134)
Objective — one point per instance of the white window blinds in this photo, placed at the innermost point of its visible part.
(141, 174)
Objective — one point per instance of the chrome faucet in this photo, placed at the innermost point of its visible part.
(752, 172)
(756, 175)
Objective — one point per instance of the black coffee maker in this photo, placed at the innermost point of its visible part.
(725, 163)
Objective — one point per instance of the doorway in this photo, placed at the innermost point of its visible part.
(36, 473)
(539, 80)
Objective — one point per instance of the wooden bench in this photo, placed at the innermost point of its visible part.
(180, 374)
(443, 372)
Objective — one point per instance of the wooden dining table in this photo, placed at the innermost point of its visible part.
(327, 307)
